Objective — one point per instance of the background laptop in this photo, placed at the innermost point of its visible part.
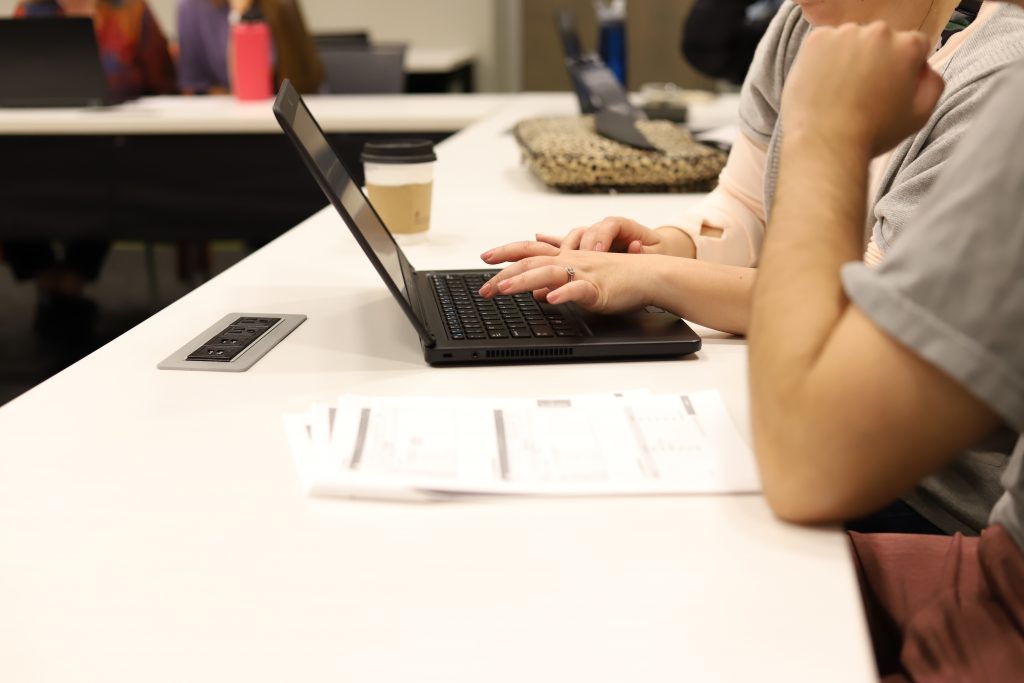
(50, 62)
(598, 90)
(454, 323)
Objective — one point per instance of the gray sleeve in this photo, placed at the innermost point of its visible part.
(952, 287)
(921, 162)
(917, 164)
(761, 97)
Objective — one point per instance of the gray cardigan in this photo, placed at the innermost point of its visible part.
(960, 497)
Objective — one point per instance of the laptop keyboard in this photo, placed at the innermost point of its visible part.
(468, 315)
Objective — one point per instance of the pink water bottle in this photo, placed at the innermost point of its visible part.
(250, 39)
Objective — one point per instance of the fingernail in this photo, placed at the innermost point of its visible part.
(486, 289)
(486, 255)
(554, 298)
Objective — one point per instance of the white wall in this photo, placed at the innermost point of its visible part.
(426, 23)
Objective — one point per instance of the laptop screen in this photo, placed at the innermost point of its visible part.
(50, 62)
(341, 186)
(565, 20)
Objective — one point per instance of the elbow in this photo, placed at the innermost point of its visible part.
(813, 469)
(812, 503)
(807, 508)
(806, 482)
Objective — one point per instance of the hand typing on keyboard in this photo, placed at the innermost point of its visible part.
(601, 282)
(469, 315)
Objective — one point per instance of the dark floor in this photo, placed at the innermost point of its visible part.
(124, 294)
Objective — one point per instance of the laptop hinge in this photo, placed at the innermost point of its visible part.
(413, 294)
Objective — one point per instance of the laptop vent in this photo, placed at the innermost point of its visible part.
(530, 353)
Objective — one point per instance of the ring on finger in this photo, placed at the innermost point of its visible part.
(571, 272)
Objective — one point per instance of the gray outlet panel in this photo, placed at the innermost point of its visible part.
(262, 341)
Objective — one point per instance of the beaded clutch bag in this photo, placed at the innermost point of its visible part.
(568, 154)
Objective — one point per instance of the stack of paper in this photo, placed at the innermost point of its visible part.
(601, 444)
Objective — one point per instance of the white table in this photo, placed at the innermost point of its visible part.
(223, 114)
(152, 527)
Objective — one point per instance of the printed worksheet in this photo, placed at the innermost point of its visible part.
(598, 444)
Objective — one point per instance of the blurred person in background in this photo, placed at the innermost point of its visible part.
(133, 48)
(720, 36)
(204, 37)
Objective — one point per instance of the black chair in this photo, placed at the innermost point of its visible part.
(372, 69)
(350, 39)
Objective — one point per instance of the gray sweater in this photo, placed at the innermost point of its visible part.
(961, 497)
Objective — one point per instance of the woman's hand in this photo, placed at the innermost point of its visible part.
(617, 234)
(599, 282)
(612, 234)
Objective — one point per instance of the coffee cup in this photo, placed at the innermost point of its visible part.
(399, 182)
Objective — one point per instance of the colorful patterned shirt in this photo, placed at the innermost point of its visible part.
(133, 49)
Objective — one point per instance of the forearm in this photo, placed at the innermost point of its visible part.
(844, 416)
(816, 227)
(708, 294)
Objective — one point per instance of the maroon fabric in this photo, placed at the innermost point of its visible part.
(944, 609)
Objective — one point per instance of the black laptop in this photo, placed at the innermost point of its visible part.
(456, 324)
(50, 62)
(598, 90)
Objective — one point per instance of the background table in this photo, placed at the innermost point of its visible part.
(195, 168)
(152, 527)
(190, 168)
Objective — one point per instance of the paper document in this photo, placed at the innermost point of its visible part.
(599, 444)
